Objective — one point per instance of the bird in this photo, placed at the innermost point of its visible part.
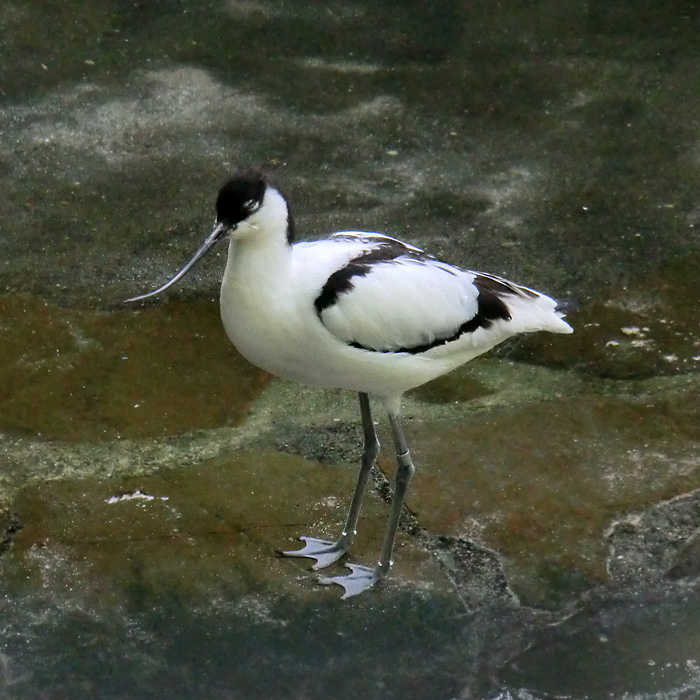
(360, 311)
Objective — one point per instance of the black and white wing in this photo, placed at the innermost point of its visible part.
(388, 296)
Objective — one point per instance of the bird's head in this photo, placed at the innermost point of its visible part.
(248, 204)
(247, 207)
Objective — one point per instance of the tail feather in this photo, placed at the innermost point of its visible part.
(536, 313)
(529, 309)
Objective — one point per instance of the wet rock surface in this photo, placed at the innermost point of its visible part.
(148, 473)
(75, 375)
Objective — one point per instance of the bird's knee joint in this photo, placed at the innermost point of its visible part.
(406, 466)
(404, 458)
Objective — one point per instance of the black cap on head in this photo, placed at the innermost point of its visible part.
(240, 197)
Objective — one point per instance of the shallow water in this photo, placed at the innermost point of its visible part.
(148, 473)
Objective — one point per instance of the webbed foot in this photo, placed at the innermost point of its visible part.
(324, 552)
(361, 578)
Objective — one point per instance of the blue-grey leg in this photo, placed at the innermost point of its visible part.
(326, 552)
(364, 577)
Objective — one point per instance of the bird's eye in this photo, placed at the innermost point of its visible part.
(251, 205)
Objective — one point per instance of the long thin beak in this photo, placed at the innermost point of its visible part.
(218, 232)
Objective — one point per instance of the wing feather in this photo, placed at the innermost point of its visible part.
(378, 293)
(401, 305)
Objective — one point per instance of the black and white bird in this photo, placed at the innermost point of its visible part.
(359, 311)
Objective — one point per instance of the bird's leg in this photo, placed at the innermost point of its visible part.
(364, 577)
(326, 552)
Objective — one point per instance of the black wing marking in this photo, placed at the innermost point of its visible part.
(386, 250)
(503, 287)
(490, 293)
